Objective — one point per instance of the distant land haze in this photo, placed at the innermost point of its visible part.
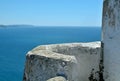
(2, 25)
(25, 25)
(16, 25)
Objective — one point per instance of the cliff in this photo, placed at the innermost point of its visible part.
(73, 61)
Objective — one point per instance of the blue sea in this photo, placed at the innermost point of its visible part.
(15, 42)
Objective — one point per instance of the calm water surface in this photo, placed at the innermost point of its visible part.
(16, 42)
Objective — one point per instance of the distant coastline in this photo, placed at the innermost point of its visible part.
(4, 26)
(22, 25)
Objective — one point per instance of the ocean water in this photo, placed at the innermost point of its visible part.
(15, 42)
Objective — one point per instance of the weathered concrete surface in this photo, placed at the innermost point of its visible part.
(74, 61)
(42, 65)
(111, 39)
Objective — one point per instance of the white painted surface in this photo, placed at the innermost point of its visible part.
(111, 39)
(87, 57)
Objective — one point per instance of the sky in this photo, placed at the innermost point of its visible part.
(51, 12)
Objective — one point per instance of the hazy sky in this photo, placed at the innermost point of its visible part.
(51, 12)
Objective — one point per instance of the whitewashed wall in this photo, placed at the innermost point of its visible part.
(44, 62)
(111, 39)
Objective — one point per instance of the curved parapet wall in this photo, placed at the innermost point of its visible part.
(73, 61)
(111, 39)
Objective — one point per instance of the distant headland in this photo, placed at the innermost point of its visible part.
(4, 26)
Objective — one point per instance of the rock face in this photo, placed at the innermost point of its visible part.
(111, 39)
(73, 61)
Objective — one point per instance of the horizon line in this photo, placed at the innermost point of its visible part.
(48, 25)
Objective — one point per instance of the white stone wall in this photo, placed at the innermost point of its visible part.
(111, 39)
(78, 59)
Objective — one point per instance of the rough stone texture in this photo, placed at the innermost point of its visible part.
(111, 39)
(42, 65)
(57, 79)
(74, 61)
